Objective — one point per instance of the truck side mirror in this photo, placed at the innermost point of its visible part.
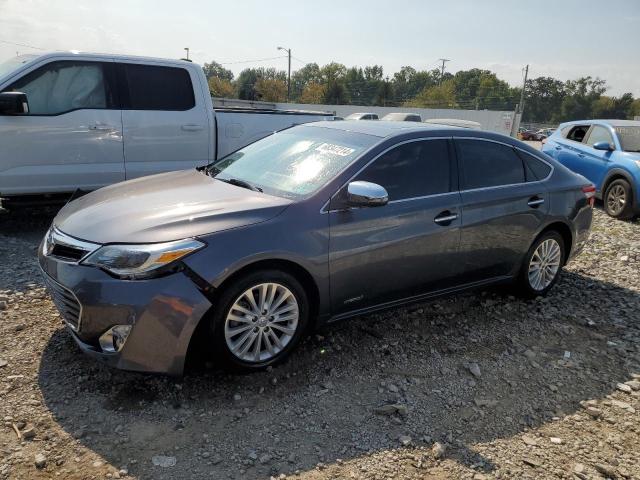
(13, 103)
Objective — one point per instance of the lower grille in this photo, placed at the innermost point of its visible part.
(65, 301)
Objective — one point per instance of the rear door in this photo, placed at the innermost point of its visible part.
(72, 136)
(406, 247)
(501, 210)
(570, 147)
(165, 125)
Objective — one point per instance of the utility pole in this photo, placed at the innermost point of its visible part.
(288, 50)
(443, 60)
(520, 106)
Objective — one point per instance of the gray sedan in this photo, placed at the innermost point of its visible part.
(310, 225)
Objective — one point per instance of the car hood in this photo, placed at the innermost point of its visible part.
(165, 207)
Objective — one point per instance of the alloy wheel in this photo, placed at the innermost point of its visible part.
(544, 264)
(616, 199)
(261, 322)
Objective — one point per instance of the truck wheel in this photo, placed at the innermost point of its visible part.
(618, 199)
(259, 319)
(542, 265)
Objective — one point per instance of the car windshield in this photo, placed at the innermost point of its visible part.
(293, 163)
(629, 137)
(14, 63)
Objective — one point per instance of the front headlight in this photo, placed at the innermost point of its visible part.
(141, 261)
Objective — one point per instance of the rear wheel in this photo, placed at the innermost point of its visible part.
(259, 319)
(618, 199)
(542, 265)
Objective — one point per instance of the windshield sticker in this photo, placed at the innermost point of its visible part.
(332, 149)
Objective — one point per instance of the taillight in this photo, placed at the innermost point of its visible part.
(590, 192)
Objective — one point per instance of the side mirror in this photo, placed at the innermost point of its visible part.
(366, 194)
(603, 146)
(13, 103)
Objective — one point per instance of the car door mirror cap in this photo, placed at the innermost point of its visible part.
(13, 103)
(366, 194)
(606, 146)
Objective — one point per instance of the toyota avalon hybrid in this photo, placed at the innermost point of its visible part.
(310, 225)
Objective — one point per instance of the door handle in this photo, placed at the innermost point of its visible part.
(192, 127)
(445, 218)
(558, 147)
(581, 155)
(535, 201)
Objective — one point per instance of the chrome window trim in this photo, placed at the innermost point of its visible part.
(56, 237)
(324, 210)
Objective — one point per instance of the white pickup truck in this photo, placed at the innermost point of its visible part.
(73, 121)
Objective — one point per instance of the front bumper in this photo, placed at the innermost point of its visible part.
(164, 313)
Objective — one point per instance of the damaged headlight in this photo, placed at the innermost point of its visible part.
(141, 261)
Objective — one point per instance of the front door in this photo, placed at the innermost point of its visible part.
(595, 163)
(72, 136)
(407, 247)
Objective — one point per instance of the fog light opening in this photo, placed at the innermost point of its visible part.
(113, 339)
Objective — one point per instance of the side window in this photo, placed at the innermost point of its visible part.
(535, 168)
(415, 169)
(488, 164)
(63, 86)
(158, 88)
(578, 133)
(599, 134)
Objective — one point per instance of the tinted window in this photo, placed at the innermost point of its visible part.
(158, 88)
(415, 169)
(578, 133)
(63, 86)
(599, 134)
(535, 168)
(489, 164)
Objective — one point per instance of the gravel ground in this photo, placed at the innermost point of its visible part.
(475, 386)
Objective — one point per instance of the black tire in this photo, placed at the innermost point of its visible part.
(231, 294)
(524, 283)
(612, 203)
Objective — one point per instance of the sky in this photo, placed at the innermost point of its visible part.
(565, 39)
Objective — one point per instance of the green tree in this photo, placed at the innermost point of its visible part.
(214, 69)
(220, 87)
(246, 82)
(543, 99)
(307, 75)
(312, 93)
(384, 95)
(613, 107)
(579, 100)
(439, 96)
(408, 82)
(271, 89)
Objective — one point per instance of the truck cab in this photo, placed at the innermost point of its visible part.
(74, 121)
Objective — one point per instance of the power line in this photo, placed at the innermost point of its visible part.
(21, 45)
(253, 61)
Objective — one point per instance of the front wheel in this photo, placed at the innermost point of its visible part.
(542, 265)
(259, 319)
(618, 200)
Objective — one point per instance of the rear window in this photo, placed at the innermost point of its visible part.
(535, 168)
(577, 133)
(489, 164)
(158, 88)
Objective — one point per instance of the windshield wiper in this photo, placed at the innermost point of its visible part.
(240, 183)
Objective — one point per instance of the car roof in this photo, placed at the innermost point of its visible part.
(612, 122)
(116, 57)
(383, 128)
